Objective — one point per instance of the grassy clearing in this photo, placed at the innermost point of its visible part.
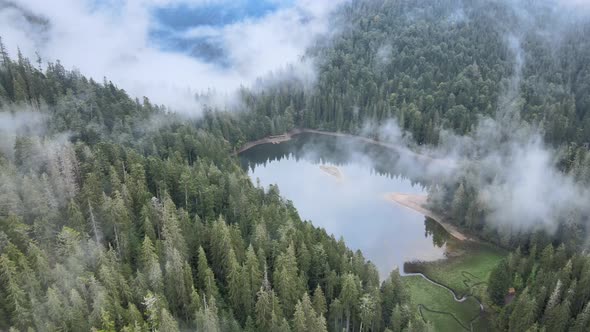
(466, 272)
(470, 267)
(438, 306)
(442, 322)
(484, 324)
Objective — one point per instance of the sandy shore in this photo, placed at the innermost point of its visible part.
(332, 170)
(417, 203)
(270, 140)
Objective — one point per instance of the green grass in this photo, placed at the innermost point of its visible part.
(484, 324)
(466, 272)
(470, 268)
(438, 306)
(442, 322)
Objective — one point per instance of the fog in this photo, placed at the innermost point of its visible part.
(18, 121)
(46, 164)
(514, 170)
(113, 39)
(504, 157)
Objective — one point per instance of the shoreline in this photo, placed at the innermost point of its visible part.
(276, 139)
(332, 171)
(413, 202)
(416, 203)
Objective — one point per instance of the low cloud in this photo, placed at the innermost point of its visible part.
(527, 191)
(113, 39)
(515, 174)
(19, 123)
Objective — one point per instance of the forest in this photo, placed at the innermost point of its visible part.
(117, 214)
(117, 217)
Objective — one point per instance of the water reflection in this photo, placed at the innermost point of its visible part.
(351, 206)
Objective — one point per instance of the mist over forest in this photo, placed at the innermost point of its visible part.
(125, 206)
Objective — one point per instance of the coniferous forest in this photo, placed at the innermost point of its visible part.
(118, 214)
(109, 227)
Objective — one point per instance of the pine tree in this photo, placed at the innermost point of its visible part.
(177, 284)
(75, 217)
(235, 284)
(299, 321)
(253, 277)
(459, 204)
(120, 221)
(207, 317)
(547, 257)
(367, 307)
(150, 266)
(220, 245)
(319, 301)
(14, 294)
(167, 322)
(396, 321)
(171, 230)
(205, 277)
(349, 296)
(391, 293)
(555, 297)
(582, 321)
(79, 312)
(336, 313)
(523, 315)
(267, 309)
(558, 318)
(498, 283)
(286, 280)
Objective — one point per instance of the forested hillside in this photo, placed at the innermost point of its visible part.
(116, 214)
(436, 65)
(554, 290)
(439, 68)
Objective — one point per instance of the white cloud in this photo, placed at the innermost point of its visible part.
(112, 39)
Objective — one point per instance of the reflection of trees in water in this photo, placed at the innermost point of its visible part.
(439, 235)
(320, 149)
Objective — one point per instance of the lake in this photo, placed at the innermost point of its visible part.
(338, 184)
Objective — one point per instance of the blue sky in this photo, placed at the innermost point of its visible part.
(172, 20)
(170, 50)
(183, 16)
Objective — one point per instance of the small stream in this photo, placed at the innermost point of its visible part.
(462, 299)
(351, 205)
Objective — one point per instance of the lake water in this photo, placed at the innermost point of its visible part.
(351, 206)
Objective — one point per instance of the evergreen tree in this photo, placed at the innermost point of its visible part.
(499, 282)
(319, 301)
(523, 315)
(205, 277)
(349, 296)
(286, 280)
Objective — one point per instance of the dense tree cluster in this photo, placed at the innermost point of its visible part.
(552, 290)
(116, 216)
(437, 65)
(442, 65)
(113, 216)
